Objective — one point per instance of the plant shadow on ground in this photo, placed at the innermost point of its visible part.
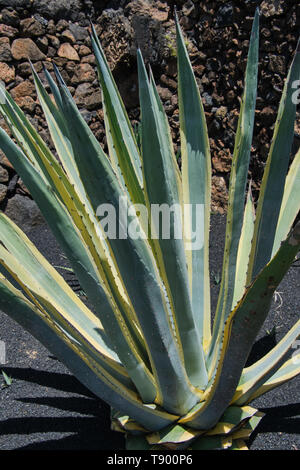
(51, 410)
(90, 431)
(278, 419)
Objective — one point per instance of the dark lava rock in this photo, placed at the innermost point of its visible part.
(24, 212)
(16, 3)
(67, 9)
(224, 15)
(79, 32)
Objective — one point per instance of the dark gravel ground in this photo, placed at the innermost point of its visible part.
(46, 408)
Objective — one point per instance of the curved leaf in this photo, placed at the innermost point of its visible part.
(255, 376)
(196, 183)
(162, 189)
(272, 186)
(88, 372)
(237, 188)
(290, 205)
(241, 328)
(135, 262)
(82, 264)
(119, 128)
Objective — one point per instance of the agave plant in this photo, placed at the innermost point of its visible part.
(173, 374)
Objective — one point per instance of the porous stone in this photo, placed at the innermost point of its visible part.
(26, 103)
(83, 73)
(7, 73)
(221, 112)
(7, 31)
(271, 8)
(68, 36)
(87, 97)
(224, 15)
(115, 32)
(68, 9)
(222, 160)
(5, 52)
(3, 192)
(164, 93)
(10, 17)
(42, 44)
(4, 176)
(24, 212)
(84, 51)
(54, 40)
(25, 48)
(32, 27)
(79, 32)
(219, 194)
(24, 69)
(4, 160)
(277, 64)
(25, 88)
(68, 52)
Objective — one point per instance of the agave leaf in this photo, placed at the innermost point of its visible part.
(272, 186)
(142, 280)
(287, 371)
(88, 372)
(255, 375)
(83, 216)
(166, 133)
(44, 161)
(244, 250)
(80, 323)
(38, 153)
(162, 188)
(124, 423)
(74, 198)
(54, 90)
(237, 187)
(81, 335)
(236, 422)
(81, 262)
(136, 443)
(172, 435)
(58, 131)
(152, 296)
(119, 128)
(14, 241)
(238, 444)
(112, 154)
(24, 133)
(69, 311)
(241, 328)
(196, 181)
(290, 205)
(211, 443)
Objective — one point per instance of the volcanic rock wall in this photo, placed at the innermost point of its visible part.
(217, 34)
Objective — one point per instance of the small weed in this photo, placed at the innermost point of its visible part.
(216, 277)
(278, 299)
(7, 380)
(271, 332)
